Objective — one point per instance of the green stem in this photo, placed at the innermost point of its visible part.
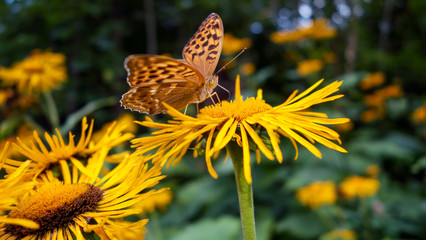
(52, 111)
(245, 193)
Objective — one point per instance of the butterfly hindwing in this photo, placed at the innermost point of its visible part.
(148, 99)
(204, 48)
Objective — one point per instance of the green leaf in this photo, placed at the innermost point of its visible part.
(297, 225)
(91, 236)
(419, 165)
(223, 228)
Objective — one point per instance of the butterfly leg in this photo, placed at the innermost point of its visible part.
(210, 96)
(186, 108)
(198, 109)
(217, 96)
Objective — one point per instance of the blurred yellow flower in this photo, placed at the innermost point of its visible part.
(12, 101)
(391, 91)
(247, 68)
(372, 170)
(307, 67)
(375, 100)
(232, 44)
(419, 115)
(158, 201)
(319, 29)
(65, 208)
(241, 121)
(372, 80)
(125, 121)
(370, 115)
(317, 194)
(357, 186)
(39, 72)
(287, 36)
(340, 234)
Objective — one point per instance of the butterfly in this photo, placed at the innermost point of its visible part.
(178, 82)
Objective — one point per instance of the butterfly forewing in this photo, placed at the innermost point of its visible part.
(203, 50)
(144, 70)
(157, 79)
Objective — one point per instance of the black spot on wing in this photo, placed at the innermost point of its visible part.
(211, 47)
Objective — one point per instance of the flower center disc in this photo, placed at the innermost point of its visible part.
(237, 109)
(53, 206)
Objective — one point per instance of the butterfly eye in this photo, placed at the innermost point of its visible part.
(210, 81)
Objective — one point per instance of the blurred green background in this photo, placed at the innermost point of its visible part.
(386, 38)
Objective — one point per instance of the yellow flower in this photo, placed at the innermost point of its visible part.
(14, 185)
(372, 170)
(39, 72)
(83, 202)
(317, 194)
(249, 123)
(158, 201)
(354, 186)
(248, 68)
(340, 234)
(232, 44)
(319, 29)
(60, 153)
(419, 115)
(123, 230)
(372, 80)
(345, 127)
(309, 66)
(25, 134)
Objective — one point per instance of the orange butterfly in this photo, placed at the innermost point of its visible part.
(177, 82)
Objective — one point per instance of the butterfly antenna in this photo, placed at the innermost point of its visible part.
(224, 67)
